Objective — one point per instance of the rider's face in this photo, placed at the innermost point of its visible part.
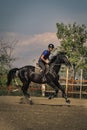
(50, 49)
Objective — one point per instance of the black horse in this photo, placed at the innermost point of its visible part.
(27, 74)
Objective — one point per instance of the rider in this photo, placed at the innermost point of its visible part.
(43, 60)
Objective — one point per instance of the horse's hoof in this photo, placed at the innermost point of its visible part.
(22, 101)
(49, 97)
(68, 101)
(31, 103)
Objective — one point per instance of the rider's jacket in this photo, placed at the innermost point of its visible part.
(46, 54)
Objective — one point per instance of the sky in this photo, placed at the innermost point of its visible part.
(33, 24)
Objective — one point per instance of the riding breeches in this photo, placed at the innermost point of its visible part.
(42, 65)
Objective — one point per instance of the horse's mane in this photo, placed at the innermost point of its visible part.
(56, 53)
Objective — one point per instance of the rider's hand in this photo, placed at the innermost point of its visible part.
(47, 61)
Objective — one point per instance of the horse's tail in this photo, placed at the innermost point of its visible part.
(11, 75)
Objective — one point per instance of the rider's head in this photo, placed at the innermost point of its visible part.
(50, 46)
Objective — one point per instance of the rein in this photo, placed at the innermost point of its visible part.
(55, 64)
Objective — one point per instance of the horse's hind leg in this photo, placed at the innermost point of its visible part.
(26, 94)
(25, 88)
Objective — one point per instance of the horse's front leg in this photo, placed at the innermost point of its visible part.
(52, 84)
(63, 92)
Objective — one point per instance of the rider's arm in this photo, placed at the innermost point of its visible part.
(43, 59)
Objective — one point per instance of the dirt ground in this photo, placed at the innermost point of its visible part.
(44, 114)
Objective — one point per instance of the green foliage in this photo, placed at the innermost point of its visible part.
(3, 76)
(6, 57)
(73, 38)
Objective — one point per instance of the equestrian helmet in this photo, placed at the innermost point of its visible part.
(51, 46)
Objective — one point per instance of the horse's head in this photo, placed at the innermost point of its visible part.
(63, 59)
(59, 58)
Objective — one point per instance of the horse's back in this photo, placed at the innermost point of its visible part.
(27, 67)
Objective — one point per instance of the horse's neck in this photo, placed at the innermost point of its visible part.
(55, 67)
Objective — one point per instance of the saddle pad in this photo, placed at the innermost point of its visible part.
(37, 70)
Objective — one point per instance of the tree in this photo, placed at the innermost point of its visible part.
(72, 38)
(6, 56)
(6, 52)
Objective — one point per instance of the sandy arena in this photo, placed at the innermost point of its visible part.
(45, 114)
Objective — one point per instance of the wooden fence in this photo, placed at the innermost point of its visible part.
(75, 86)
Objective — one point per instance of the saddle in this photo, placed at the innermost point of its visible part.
(38, 69)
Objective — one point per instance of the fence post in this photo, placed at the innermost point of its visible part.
(43, 90)
(67, 74)
(81, 84)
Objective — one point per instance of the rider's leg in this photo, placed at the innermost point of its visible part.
(43, 67)
(47, 69)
